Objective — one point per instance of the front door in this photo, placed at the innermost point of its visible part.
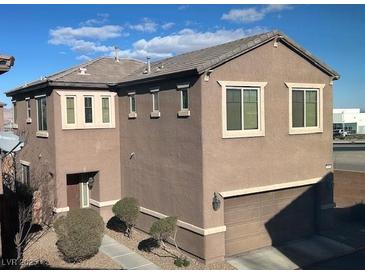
(77, 191)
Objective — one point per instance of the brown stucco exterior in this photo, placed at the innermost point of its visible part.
(173, 165)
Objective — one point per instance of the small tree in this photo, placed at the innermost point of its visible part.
(127, 210)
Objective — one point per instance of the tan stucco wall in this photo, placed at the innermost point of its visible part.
(88, 150)
(165, 173)
(231, 164)
(38, 151)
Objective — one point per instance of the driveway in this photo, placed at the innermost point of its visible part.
(292, 255)
(354, 261)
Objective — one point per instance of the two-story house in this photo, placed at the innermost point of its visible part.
(235, 140)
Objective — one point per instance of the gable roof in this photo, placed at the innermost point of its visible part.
(98, 73)
(6, 62)
(202, 60)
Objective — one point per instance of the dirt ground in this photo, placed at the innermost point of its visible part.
(158, 256)
(45, 250)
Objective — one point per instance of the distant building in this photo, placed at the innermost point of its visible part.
(349, 119)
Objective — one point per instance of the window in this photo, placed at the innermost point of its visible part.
(15, 120)
(25, 174)
(42, 113)
(132, 105)
(105, 109)
(155, 102)
(184, 99)
(70, 110)
(29, 117)
(305, 108)
(242, 109)
(88, 106)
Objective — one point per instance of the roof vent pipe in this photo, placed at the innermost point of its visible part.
(116, 52)
(148, 65)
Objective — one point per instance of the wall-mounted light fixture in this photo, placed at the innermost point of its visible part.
(216, 203)
(90, 182)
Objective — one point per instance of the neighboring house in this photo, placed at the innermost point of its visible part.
(349, 119)
(235, 140)
(6, 62)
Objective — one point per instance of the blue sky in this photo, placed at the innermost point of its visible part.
(47, 38)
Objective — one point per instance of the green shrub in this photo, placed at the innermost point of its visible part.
(79, 234)
(181, 262)
(127, 210)
(164, 228)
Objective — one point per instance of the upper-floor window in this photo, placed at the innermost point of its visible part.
(242, 109)
(88, 106)
(29, 117)
(15, 114)
(155, 101)
(105, 109)
(87, 109)
(70, 109)
(132, 105)
(305, 108)
(42, 113)
(184, 100)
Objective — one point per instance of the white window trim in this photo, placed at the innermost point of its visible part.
(132, 114)
(41, 133)
(80, 111)
(261, 113)
(306, 130)
(183, 112)
(29, 110)
(110, 109)
(181, 99)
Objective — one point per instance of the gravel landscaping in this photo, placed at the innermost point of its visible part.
(158, 256)
(44, 249)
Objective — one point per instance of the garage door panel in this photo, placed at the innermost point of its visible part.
(279, 216)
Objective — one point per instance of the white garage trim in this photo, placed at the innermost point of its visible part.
(61, 209)
(198, 230)
(252, 190)
(102, 204)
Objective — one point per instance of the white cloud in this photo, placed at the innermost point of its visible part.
(83, 58)
(61, 34)
(101, 19)
(147, 25)
(250, 15)
(85, 40)
(167, 26)
(184, 41)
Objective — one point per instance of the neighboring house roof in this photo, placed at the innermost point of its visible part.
(202, 60)
(6, 62)
(97, 73)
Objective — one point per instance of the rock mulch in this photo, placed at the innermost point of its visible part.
(158, 256)
(44, 249)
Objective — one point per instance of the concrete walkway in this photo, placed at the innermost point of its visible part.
(127, 258)
(292, 255)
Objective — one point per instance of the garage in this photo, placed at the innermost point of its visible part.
(268, 218)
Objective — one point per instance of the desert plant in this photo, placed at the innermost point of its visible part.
(127, 210)
(181, 262)
(163, 229)
(79, 234)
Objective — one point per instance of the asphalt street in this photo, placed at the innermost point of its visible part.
(349, 157)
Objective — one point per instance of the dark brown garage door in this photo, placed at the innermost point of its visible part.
(268, 218)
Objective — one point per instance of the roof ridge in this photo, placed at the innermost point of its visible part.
(218, 45)
(74, 68)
